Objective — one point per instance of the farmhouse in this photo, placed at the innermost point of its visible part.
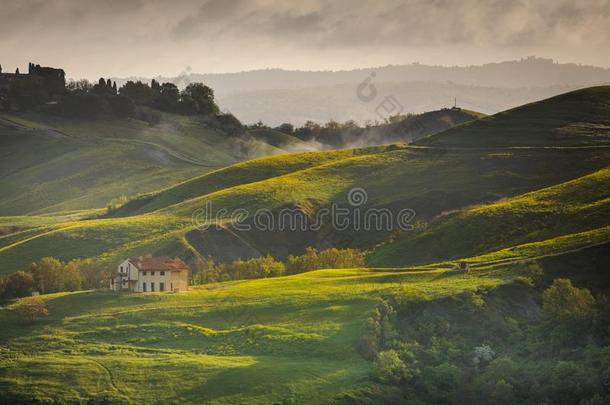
(150, 274)
(463, 266)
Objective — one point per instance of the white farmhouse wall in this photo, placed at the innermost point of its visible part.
(153, 277)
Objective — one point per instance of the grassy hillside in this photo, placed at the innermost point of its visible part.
(241, 173)
(575, 206)
(578, 118)
(522, 207)
(278, 139)
(54, 164)
(261, 341)
(289, 339)
(429, 182)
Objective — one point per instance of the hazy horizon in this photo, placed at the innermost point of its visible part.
(151, 38)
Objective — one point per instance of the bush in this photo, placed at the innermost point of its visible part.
(389, 368)
(116, 203)
(564, 302)
(31, 308)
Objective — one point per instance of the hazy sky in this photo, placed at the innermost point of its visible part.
(150, 37)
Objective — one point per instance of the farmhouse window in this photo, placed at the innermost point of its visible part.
(162, 273)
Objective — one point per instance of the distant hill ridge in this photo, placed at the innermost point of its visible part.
(275, 96)
(527, 72)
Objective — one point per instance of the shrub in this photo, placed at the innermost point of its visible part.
(563, 302)
(389, 368)
(31, 308)
(116, 203)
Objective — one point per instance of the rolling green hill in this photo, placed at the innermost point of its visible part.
(261, 341)
(507, 194)
(578, 118)
(429, 179)
(578, 205)
(278, 139)
(54, 164)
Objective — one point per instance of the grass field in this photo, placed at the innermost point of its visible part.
(54, 164)
(571, 119)
(431, 180)
(578, 205)
(258, 341)
(505, 193)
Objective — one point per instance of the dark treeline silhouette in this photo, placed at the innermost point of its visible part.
(400, 128)
(46, 88)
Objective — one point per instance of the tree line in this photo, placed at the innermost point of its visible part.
(50, 275)
(104, 99)
(207, 271)
(334, 134)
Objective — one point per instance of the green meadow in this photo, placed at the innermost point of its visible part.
(290, 339)
(522, 197)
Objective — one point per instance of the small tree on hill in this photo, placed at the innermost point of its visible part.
(203, 97)
(564, 302)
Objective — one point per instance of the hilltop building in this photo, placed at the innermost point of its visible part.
(151, 274)
(54, 79)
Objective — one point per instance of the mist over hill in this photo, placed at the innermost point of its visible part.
(276, 95)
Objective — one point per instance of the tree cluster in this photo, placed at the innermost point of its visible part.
(337, 135)
(50, 275)
(82, 99)
(207, 271)
(477, 348)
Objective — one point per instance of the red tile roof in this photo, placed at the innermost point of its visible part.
(158, 263)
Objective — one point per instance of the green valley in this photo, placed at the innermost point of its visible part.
(520, 197)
